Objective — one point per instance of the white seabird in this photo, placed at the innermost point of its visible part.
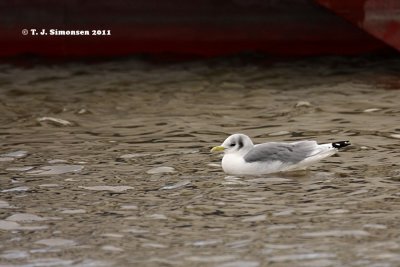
(242, 157)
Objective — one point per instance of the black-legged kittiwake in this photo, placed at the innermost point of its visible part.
(242, 157)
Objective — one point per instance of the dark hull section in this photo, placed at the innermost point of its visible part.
(180, 27)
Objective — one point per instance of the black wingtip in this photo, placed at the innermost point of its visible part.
(341, 144)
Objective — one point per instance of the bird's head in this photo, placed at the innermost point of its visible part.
(235, 143)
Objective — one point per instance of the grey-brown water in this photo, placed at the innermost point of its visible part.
(108, 164)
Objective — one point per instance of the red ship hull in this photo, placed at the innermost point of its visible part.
(197, 28)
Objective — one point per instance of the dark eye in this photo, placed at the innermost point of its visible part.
(233, 144)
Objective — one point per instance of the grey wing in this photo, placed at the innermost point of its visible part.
(285, 152)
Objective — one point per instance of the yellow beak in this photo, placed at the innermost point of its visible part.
(217, 149)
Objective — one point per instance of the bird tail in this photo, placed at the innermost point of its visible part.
(340, 144)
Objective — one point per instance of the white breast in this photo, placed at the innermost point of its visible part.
(232, 163)
(236, 165)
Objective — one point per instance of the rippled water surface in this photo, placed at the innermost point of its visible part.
(108, 164)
